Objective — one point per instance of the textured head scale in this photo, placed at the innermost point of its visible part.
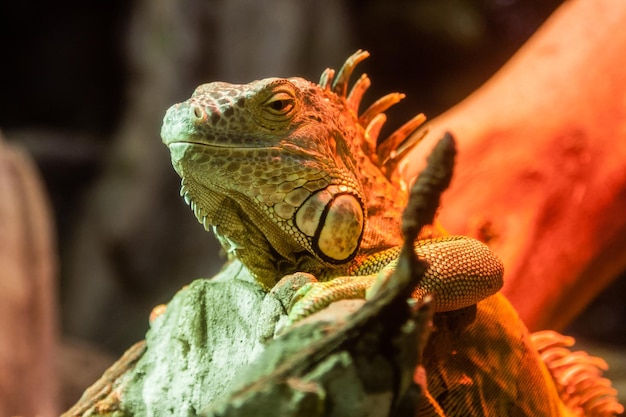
(286, 168)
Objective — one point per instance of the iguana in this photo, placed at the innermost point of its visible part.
(293, 179)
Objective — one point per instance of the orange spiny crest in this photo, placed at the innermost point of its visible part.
(389, 150)
(577, 376)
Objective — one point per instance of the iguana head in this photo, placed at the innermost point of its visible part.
(286, 173)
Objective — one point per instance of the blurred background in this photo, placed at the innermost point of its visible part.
(85, 86)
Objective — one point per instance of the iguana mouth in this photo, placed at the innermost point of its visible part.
(179, 127)
(218, 145)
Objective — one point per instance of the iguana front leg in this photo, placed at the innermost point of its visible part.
(461, 272)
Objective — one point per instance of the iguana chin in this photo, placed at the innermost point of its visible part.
(292, 179)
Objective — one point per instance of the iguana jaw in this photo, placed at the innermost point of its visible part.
(245, 233)
(312, 214)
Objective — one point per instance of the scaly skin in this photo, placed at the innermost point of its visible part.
(291, 179)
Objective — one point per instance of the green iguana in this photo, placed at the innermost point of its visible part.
(291, 178)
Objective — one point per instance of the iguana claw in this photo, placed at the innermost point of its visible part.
(315, 296)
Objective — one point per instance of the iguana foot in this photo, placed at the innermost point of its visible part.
(315, 296)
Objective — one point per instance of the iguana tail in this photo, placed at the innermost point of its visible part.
(577, 376)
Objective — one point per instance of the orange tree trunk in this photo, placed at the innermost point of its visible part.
(541, 172)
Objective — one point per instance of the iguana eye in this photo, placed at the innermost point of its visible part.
(274, 103)
(280, 103)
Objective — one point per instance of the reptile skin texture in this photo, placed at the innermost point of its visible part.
(292, 177)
